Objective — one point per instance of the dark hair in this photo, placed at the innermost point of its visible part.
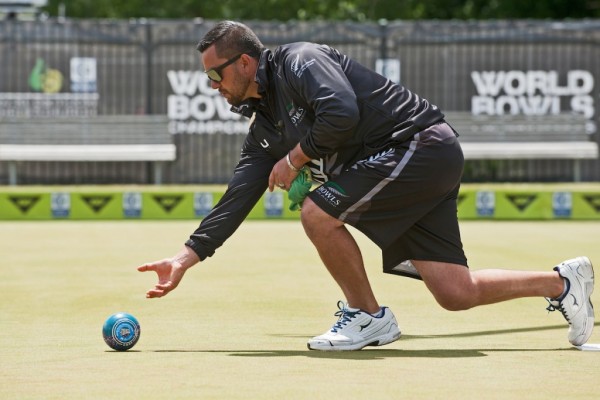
(231, 38)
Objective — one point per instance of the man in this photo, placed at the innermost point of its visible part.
(388, 165)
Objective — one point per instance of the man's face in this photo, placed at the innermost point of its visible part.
(233, 85)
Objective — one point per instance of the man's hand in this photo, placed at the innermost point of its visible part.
(284, 171)
(281, 176)
(170, 271)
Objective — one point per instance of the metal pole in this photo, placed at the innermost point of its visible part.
(12, 173)
(383, 38)
(149, 49)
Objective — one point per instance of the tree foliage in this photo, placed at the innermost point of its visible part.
(358, 10)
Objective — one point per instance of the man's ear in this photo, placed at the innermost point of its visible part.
(249, 64)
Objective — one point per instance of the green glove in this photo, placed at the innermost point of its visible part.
(299, 189)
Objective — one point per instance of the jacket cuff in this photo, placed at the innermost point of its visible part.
(307, 150)
(196, 248)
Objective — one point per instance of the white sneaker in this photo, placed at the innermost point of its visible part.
(356, 329)
(575, 304)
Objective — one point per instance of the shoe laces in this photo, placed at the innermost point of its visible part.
(551, 307)
(556, 304)
(344, 316)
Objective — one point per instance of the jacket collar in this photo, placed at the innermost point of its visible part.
(263, 70)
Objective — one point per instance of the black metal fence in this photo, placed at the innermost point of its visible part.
(90, 67)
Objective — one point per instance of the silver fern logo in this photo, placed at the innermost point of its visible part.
(336, 189)
(299, 69)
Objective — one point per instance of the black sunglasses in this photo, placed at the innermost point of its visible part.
(214, 74)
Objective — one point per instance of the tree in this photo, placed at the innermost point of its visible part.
(358, 10)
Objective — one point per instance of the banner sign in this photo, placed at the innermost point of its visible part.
(473, 204)
(532, 92)
(196, 108)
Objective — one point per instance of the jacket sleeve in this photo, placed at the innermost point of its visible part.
(246, 187)
(315, 73)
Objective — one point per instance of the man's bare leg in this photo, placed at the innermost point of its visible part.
(341, 255)
(455, 287)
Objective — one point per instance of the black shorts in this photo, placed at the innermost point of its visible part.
(404, 199)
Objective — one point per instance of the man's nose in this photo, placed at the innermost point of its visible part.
(214, 84)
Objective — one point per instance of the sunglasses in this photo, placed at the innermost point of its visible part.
(214, 74)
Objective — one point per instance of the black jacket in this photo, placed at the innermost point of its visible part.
(339, 112)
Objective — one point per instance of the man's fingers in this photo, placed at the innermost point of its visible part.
(153, 293)
(147, 267)
(271, 185)
(160, 290)
(164, 286)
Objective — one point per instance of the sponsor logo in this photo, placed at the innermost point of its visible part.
(132, 204)
(485, 203)
(83, 74)
(298, 69)
(562, 204)
(196, 108)
(203, 203)
(167, 202)
(273, 203)
(96, 202)
(24, 202)
(362, 327)
(593, 201)
(533, 92)
(60, 204)
(575, 303)
(44, 79)
(332, 193)
(521, 201)
(295, 113)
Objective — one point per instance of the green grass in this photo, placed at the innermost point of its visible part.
(237, 326)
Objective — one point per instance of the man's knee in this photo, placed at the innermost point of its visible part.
(315, 219)
(455, 301)
(309, 212)
(452, 285)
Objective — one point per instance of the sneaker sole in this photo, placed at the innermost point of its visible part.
(589, 289)
(379, 341)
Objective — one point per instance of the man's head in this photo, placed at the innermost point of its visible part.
(230, 53)
(231, 38)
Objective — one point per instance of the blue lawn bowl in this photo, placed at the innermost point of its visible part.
(121, 331)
